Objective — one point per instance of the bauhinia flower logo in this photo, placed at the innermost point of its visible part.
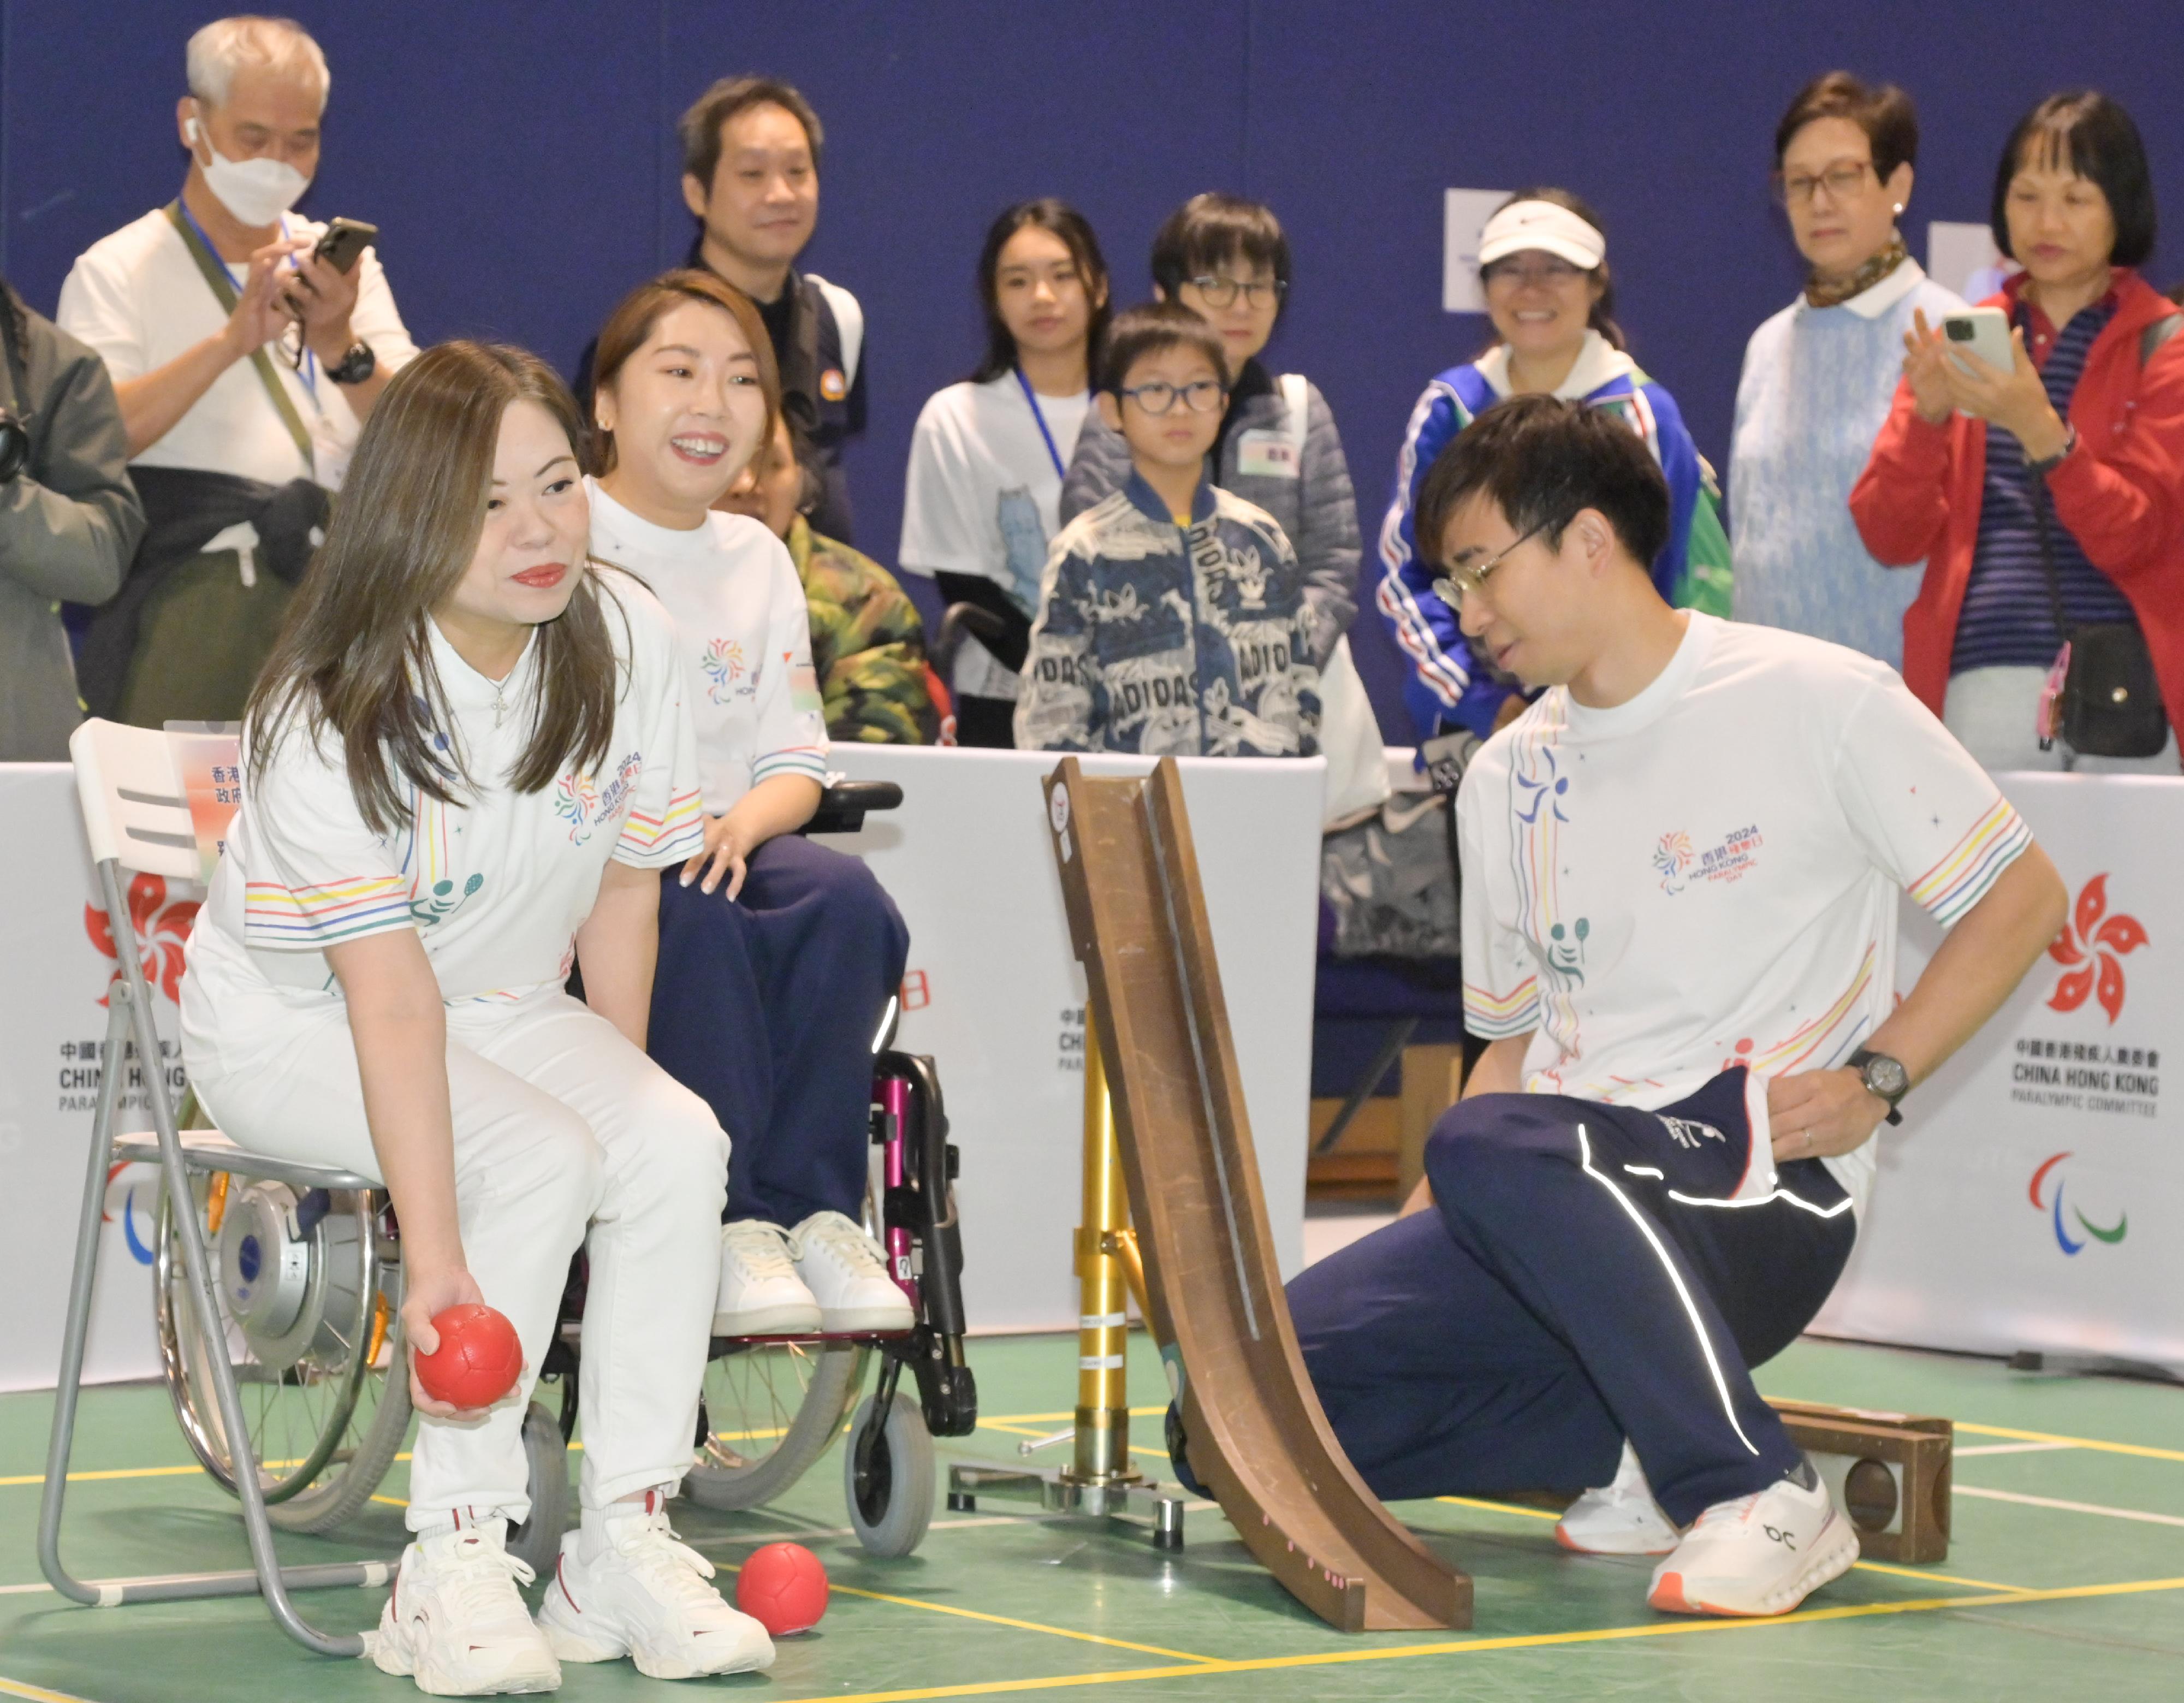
(2094, 943)
(161, 930)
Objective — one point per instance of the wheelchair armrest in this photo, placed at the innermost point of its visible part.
(842, 806)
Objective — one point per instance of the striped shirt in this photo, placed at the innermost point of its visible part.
(2008, 618)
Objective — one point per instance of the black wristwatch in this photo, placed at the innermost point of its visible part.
(1883, 1076)
(355, 366)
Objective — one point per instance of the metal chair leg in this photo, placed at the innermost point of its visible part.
(129, 1016)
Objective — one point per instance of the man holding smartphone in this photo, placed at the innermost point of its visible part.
(245, 346)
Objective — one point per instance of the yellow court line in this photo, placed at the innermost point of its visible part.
(117, 1472)
(1530, 1641)
(1499, 1507)
(1004, 1620)
(37, 1694)
(2145, 1450)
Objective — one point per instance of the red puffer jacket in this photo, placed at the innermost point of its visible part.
(2121, 493)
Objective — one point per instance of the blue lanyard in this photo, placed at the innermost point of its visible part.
(308, 372)
(1052, 453)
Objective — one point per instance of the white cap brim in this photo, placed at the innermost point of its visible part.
(1545, 226)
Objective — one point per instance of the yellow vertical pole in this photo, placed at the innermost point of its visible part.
(1103, 1402)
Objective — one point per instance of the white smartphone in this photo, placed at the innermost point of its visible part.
(1984, 331)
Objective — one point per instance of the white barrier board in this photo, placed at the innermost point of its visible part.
(2031, 1197)
(996, 998)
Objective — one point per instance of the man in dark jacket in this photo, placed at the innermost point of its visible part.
(69, 521)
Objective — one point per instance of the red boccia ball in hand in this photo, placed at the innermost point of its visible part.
(783, 1587)
(478, 1360)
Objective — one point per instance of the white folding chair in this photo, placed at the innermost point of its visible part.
(137, 820)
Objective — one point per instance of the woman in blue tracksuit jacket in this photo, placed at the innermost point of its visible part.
(1542, 262)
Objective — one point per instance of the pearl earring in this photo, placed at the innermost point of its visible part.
(1899, 209)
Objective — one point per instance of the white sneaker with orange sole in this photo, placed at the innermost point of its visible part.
(1757, 1554)
(1620, 1519)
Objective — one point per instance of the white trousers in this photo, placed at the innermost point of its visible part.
(565, 1136)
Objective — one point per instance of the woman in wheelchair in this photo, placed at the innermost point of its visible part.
(469, 758)
(778, 958)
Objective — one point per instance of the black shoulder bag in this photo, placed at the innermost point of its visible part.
(2108, 702)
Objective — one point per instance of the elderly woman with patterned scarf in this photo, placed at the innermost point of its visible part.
(1818, 375)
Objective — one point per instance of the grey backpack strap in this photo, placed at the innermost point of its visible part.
(2157, 334)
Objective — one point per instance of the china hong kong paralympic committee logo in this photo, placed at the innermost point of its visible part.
(2092, 943)
(2052, 1206)
(161, 929)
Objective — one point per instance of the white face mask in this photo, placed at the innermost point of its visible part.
(257, 192)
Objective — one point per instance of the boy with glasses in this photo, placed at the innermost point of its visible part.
(1680, 871)
(1275, 444)
(1173, 617)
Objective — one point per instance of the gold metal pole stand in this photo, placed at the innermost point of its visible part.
(1102, 1481)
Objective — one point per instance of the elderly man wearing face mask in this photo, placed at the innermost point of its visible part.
(244, 364)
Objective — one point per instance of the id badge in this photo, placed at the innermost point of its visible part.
(1267, 455)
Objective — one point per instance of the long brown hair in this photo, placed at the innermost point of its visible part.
(639, 314)
(354, 654)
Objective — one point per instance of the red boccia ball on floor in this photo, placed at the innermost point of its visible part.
(478, 1360)
(783, 1587)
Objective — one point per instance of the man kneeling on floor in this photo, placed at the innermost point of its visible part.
(1679, 871)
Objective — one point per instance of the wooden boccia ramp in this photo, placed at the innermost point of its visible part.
(1258, 1439)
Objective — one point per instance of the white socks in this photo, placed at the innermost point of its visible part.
(596, 1533)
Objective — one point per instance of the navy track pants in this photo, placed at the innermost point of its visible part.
(765, 1006)
(1579, 1281)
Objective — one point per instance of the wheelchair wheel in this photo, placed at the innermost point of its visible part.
(537, 1541)
(307, 1323)
(891, 1500)
(769, 1410)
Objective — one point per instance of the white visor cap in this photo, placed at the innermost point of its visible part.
(1543, 226)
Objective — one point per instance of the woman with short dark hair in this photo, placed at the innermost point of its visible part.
(2047, 500)
(1818, 375)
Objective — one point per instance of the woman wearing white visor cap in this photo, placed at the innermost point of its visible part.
(1543, 264)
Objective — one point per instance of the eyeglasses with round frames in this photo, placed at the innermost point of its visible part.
(1199, 395)
(1463, 578)
(1841, 181)
(1220, 292)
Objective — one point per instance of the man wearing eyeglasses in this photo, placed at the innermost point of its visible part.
(244, 363)
(1680, 868)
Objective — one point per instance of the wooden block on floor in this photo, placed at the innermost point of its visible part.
(1377, 1128)
(1890, 1473)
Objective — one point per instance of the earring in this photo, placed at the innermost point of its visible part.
(1899, 209)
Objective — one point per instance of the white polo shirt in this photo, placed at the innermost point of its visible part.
(495, 884)
(745, 642)
(137, 297)
(1706, 876)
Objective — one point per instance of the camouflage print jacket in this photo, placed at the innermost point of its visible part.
(1166, 640)
(867, 644)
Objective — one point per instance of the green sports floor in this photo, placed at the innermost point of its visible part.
(2066, 1580)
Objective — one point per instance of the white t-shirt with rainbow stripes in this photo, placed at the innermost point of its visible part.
(1706, 876)
(495, 885)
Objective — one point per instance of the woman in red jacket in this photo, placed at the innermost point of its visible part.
(2093, 410)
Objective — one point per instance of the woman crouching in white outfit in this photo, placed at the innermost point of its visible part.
(467, 760)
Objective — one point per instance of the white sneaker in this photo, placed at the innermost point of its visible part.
(455, 1622)
(847, 1274)
(1761, 1554)
(644, 1596)
(760, 1294)
(1621, 1520)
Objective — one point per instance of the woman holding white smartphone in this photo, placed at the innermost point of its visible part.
(1818, 375)
(2047, 496)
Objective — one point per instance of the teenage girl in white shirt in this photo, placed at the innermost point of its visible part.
(467, 757)
(981, 500)
(776, 957)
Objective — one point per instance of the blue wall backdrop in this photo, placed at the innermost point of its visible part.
(520, 161)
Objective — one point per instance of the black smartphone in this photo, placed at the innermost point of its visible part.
(345, 239)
